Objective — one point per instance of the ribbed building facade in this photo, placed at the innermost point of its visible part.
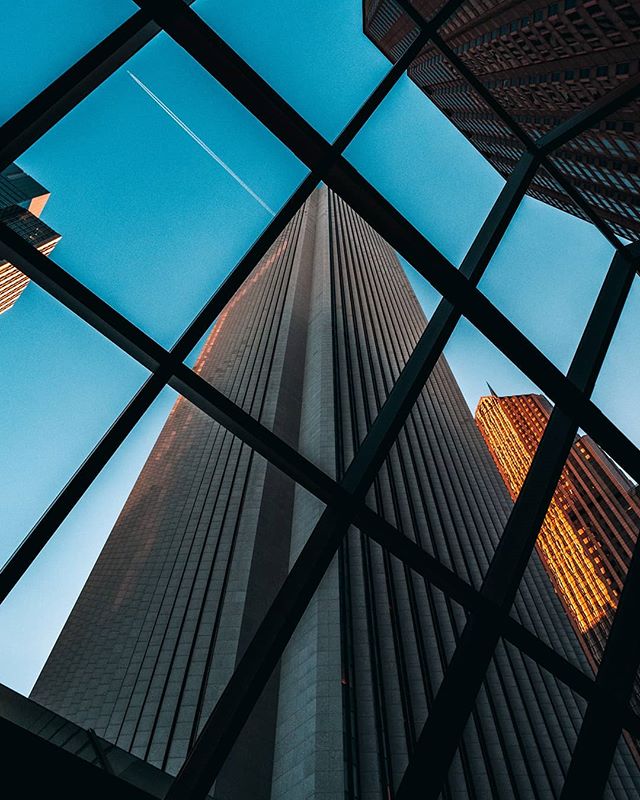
(21, 202)
(311, 346)
(543, 62)
(592, 525)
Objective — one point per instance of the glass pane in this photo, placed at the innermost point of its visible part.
(63, 385)
(618, 385)
(313, 341)
(545, 277)
(158, 202)
(33, 615)
(41, 40)
(315, 55)
(417, 159)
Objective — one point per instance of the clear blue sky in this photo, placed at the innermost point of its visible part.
(152, 224)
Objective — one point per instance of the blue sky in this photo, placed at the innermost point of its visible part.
(152, 224)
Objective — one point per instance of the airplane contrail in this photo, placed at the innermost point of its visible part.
(199, 141)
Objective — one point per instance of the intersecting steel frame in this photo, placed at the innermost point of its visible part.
(608, 711)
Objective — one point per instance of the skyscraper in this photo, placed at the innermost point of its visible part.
(543, 62)
(310, 345)
(593, 521)
(21, 202)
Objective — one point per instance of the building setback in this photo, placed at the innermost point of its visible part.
(543, 62)
(311, 345)
(588, 535)
(21, 202)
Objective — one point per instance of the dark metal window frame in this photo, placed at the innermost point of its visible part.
(608, 711)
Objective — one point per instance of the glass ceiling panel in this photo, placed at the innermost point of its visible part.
(41, 40)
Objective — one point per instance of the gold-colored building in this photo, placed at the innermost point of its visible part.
(21, 202)
(588, 534)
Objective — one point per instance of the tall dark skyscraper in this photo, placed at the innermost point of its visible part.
(310, 346)
(21, 202)
(592, 525)
(543, 62)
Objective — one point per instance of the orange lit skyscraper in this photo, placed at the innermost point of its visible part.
(21, 202)
(592, 524)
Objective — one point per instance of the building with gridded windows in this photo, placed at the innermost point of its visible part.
(210, 531)
(21, 202)
(543, 62)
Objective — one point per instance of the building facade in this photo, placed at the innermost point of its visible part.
(311, 345)
(543, 62)
(592, 525)
(21, 202)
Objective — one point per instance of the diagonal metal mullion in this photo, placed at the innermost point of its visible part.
(608, 105)
(488, 97)
(253, 670)
(590, 212)
(34, 542)
(454, 702)
(386, 84)
(192, 33)
(73, 294)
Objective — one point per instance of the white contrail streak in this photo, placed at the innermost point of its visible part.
(199, 141)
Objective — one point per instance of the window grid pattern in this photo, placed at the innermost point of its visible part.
(608, 711)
